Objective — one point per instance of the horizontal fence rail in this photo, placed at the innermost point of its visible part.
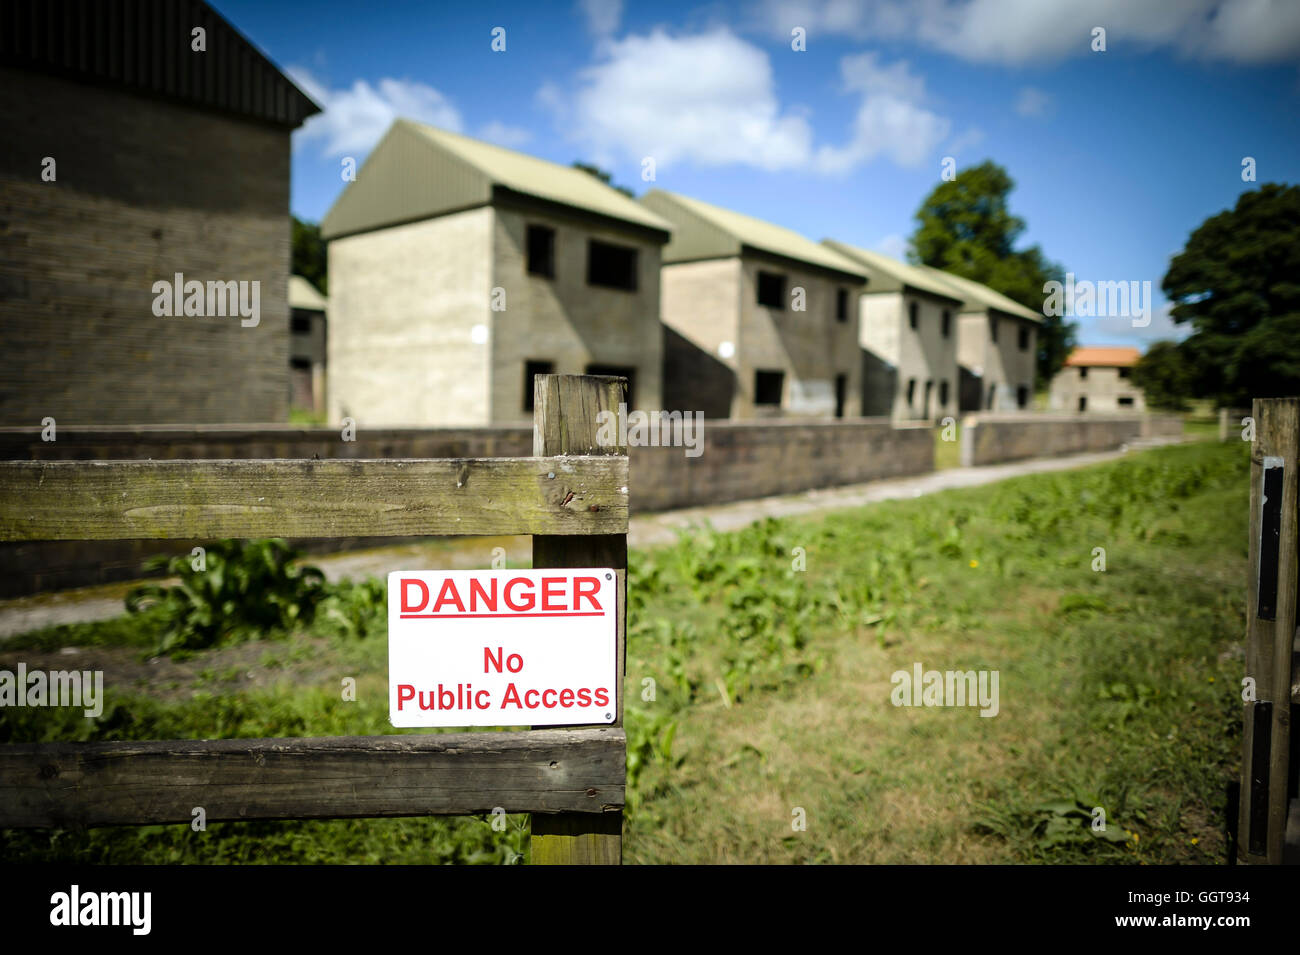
(141, 783)
(111, 500)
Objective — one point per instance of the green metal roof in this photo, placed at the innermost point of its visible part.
(418, 171)
(704, 231)
(302, 294)
(890, 275)
(979, 297)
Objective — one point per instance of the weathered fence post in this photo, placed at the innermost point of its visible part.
(1271, 623)
(565, 422)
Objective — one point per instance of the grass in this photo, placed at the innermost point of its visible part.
(759, 692)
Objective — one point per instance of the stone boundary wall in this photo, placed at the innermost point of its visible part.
(739, 460)
(995, 438)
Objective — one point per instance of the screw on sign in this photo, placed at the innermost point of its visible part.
(502, 647)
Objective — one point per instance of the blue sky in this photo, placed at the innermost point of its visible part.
(1117, 155)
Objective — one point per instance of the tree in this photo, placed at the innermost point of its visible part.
(1166, 376)
(604, 177)
(309, 259)
(1237, 281)
(966, 227)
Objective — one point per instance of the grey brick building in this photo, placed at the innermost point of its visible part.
(308, 333)
(459, 269)
(908, 335)
(759, 321)
(997, 346)
(129, 157)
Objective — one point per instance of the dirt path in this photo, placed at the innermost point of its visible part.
(646, 530)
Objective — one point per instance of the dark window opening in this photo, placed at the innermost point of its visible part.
(842, 306)
(1022, 397)
(300, 324)
(993, 329)
(911, 391)
(532, 368)
(1024, 339)
(925, 411)
(911, 315)
(1126, 402)
(1124, 372)
(841, 394)
(943, 394)
(611, 266)
(1083, 403)
(768, 386)
(300, 383)
(947, 322)
(541, 251)
(771, 290)
(1083, 372)
(618, 371)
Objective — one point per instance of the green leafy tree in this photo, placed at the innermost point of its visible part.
(604, 177)
(309, 259)
(1166, 376)
(1237, 281)
(965, 226)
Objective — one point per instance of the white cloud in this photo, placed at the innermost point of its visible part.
(893, 245)
(708, 98)
(965, 140)
(602, 16)
(890, 121)
(550, 97)
(512, 137)
(1162, 328)
(711, 99)
(1023, 31)
(1033, 103)
(353, 119)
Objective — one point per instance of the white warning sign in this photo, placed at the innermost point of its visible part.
(502, 647)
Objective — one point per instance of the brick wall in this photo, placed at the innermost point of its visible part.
(743, 460)
(566, 320)
(144, 189)
(403, 305)
(993, 438)
(695, 380)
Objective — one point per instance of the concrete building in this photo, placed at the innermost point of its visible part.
(1097, 379)
(997, 347)
(758, 320)
(908, 333)
(458, 270)
(144, 201)
(308, 334)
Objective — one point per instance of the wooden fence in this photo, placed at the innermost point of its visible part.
(1269, 763)
(571, 496)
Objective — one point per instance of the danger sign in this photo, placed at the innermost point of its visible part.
(502, 647)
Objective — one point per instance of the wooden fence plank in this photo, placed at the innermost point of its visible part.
(1271, 622)
(108, 500)
(565, 422)
(575, 771)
